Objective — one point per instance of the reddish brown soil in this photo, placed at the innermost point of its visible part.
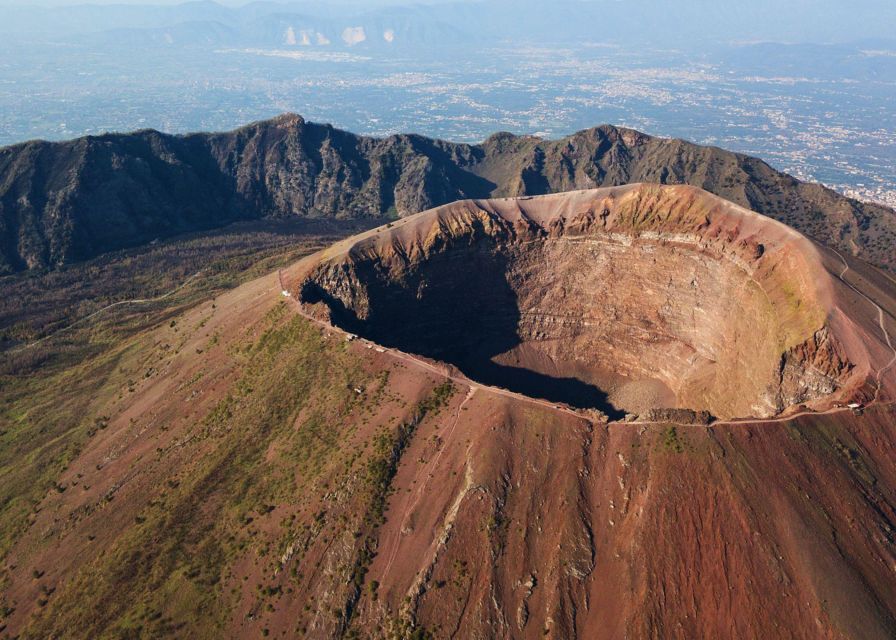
(505, 518)
(532, 524)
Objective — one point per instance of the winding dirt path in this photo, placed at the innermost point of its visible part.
(106, 308)
(427, 471)
(880, 321)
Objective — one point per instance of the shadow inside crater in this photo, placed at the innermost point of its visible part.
(566, 390)
(457, 307)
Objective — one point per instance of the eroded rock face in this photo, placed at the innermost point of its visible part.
(627, 300)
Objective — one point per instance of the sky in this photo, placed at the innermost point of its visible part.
(231, 3)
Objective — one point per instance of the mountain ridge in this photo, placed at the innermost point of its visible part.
(62, 202)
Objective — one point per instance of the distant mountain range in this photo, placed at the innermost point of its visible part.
(322, 24)
(70, 201)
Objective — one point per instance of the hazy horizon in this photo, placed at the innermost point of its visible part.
(806, 85)
(226, 3)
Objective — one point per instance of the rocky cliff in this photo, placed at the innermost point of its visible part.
(69, 201)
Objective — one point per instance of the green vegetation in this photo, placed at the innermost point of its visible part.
(163, 576)
(45, 419)
(55, 396)
(399, 629)
(52, 395)
(671, 441)
(388, 448)
(276, 438)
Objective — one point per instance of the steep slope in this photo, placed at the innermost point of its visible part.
(253, 473)
(64, 202)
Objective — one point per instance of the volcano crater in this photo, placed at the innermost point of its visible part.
(624, 300)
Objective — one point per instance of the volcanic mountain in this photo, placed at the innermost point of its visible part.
(419, 432)
(65, 202)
